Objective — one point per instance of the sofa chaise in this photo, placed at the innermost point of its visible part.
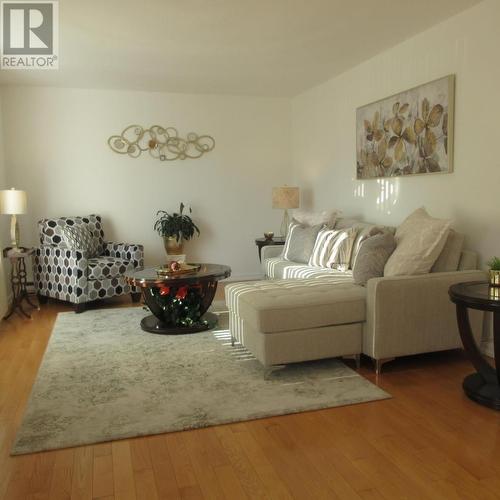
(301, 313)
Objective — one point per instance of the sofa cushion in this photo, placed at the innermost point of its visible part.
(333, 248)
(107, 267)
(325, 218)
(449, 257)
(279, 268)
(372, 257)
(284, 305)
(299, 242)
(420, 239)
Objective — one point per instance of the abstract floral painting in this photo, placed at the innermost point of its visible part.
(408, 133)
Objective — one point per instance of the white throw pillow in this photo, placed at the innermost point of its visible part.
(299, 242)
(333, 248)
(325, 218)
(420, 239)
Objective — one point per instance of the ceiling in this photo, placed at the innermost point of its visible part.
(246, 47)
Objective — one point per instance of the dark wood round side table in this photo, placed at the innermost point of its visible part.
(483, 386)
(179, 302)
(264, 242)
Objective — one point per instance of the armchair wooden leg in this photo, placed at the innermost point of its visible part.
(42, 299)
(136, 296)
(79, 308)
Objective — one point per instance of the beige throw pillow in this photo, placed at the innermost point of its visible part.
(420, 239)
(449, 258)
(325, 218)
(333, 248)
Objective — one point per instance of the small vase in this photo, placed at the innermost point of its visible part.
(494, 278)
(172, 246)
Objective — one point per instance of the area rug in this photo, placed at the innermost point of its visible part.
(102, 378)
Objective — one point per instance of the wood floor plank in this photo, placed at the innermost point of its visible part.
(145, 486)
(123, 472)
(247, 476)
(103, 480)
(163, 470)
(81, 486)
(203, 466)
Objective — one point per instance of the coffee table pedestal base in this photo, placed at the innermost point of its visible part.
(482, 392)
(152, 324)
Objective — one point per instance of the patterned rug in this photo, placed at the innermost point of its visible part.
(102, 378)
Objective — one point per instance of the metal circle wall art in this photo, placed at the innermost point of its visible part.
(162, 143)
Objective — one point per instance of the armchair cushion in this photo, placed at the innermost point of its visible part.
(107, 267)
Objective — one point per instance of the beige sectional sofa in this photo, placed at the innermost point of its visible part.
(301, 313)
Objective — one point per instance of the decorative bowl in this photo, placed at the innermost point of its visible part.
(268, 235)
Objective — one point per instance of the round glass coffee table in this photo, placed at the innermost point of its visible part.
(179, 302)
(484, 385)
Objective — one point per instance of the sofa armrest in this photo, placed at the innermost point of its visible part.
(271, 251)
(126, 251)
(413, 314)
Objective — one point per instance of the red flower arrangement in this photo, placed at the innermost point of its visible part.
(181, 293)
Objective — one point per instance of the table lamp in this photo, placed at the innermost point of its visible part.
(13, 202)
(285, 197)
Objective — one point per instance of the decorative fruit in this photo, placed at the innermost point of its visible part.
(175, 266)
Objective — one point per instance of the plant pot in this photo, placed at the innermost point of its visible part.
(172, 246)
(494, 278)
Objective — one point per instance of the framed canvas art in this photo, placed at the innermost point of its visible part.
(408, 133)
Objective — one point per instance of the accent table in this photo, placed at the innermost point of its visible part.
(18, 280)
(179, 302)
(264, 242)
(483, 386)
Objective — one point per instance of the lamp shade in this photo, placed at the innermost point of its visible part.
(286, 197)
(13, 201)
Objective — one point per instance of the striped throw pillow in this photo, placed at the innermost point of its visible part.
(333, 248)
(78, 237)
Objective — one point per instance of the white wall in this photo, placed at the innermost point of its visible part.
(324, 141)
(56, 149)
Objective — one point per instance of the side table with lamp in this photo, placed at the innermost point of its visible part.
(13, 202)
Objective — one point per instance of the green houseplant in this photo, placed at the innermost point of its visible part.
(494, 264)
(175, 229)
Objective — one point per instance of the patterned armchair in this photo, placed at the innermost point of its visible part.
(71, 274)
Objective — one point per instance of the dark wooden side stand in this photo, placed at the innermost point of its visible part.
(264, 242)
(483, 386)
(18, 280)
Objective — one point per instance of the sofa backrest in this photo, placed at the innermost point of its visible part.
(452, 257)
(51, 229)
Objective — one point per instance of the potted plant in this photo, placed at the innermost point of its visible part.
(494, 265)
(175, 228)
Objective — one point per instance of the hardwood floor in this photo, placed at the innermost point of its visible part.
(428, 441)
